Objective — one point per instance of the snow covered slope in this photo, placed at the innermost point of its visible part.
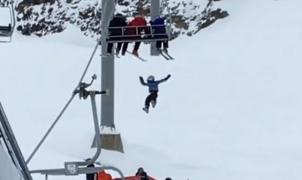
(231, 109)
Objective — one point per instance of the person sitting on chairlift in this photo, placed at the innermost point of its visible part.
(140, 172)
(116, 32)
(102, 175)
(159, 32)
(137, 29)
(91, 176)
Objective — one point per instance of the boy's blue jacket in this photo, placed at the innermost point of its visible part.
(153, 85)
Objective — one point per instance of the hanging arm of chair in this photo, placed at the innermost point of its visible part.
(84, 93)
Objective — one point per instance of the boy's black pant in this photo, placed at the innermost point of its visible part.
(151, 97)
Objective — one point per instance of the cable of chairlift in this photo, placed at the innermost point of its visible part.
(64, 108)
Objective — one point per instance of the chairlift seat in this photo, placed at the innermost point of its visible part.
(136, 34)
(5, 30)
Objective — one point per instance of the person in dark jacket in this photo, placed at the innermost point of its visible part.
(117, 32)
(159, 31)
(153, 90)
(91, 176)
(135, 29)
(141, 172)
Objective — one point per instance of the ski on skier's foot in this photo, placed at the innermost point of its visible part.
(117, 55)
(138, 57)
(107, 54)
(165, 55)
(170, 57)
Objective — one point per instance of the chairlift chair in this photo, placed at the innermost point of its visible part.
(149, 35)
(7, 28)
(134, 34)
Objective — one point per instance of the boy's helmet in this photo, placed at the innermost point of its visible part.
(150, 78)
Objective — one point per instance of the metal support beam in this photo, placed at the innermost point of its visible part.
(107, 69)
(96, 129)
(110, 141)
(155, 12)
(12, 146)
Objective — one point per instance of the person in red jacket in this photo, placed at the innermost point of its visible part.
(137, 28)
(104, 176)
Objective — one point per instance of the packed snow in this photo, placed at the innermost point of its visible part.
(231, 110)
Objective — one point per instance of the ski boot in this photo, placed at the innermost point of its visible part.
(134, 52)
(146, 109)
(117, 53)
(153, 103)
(165, 50)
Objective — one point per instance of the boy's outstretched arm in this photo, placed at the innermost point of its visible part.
(141, 79)
(164, 79)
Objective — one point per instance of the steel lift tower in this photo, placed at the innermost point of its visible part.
(113, 140)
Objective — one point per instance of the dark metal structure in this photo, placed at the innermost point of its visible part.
(9, 144)
(7, 29)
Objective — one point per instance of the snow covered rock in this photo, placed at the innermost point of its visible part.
(42, 17)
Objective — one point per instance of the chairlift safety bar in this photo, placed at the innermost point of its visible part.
(137, 33)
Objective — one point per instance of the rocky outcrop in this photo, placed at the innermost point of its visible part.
(42, 17)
